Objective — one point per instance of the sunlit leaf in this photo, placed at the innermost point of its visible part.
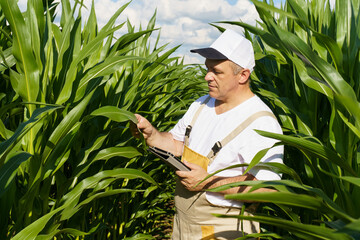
(115, 114)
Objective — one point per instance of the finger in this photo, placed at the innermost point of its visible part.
(192, 166)
(139, 130)
(185, 184)
(139, 119)
(181, 174)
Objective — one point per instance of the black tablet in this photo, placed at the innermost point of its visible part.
(169, 159)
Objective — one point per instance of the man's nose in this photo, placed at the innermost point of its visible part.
(209, 76)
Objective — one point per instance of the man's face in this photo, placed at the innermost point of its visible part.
(222, 81)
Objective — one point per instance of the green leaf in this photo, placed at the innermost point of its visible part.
(7, 59)
(28, 82)
(71, 199)
(128, 38)
(280, 168)
(5, 133)
(31, 231)
(66, 124)
(311, 147)
(70, 231)
(140, 237)
(84, 53)
(109, 66)
(70, 211)
(352, 229)
(310, 81)
(9, 169)
(292, 199)
(305, 231)
(267, 7)
(107, 153)
(353, 180)
(256, 159)
(61, 152)
(34, 22)
(115, 114)
(326, 70)
(333, 49)
(95, 145)
(40, 113)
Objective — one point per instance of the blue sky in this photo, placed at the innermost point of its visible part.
(184, 22)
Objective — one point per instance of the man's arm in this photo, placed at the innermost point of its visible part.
(153, 137)
(191, 178)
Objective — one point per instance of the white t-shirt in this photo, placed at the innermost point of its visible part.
(211, 127)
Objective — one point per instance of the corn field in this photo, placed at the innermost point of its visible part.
(70, 169)
(308, 70)
(69, 166)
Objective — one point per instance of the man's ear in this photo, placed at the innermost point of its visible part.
(244, 76)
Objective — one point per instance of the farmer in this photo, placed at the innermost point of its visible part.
(217, 132)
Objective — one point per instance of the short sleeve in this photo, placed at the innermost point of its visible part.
(178, 131)
(256, 143)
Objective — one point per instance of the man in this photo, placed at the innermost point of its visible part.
(216, 132)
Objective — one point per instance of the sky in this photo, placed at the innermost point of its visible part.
(184, 22)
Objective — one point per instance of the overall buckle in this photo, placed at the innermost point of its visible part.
(188, 130)
(216, 148)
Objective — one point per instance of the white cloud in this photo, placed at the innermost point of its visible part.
(186, 22)
(183, 22)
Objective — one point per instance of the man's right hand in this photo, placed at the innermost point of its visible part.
(153, 137)
(143, 126)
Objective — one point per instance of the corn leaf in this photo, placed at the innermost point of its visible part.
(27, 86)
(9, 169)
(311, 147)
(305, 231)
(115, 114)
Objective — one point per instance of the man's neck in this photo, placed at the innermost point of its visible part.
(222, 106)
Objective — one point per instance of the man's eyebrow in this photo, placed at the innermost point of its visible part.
(216, 68)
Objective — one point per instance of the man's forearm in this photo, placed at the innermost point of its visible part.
(165, 141)
(216, 181)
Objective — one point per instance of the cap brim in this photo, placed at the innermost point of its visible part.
(209, 53)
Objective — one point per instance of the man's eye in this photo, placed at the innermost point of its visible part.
(213, 71)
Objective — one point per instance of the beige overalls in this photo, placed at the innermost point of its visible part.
(193, 219)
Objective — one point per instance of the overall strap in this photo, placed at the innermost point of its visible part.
(197, 113)
(220, 144)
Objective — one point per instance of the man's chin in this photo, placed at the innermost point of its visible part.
(212, 94)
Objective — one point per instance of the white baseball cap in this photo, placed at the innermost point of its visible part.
(232, 46)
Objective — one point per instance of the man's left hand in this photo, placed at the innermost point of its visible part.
(190, 179)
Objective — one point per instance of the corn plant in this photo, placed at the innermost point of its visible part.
(307, 58)
(68, 164)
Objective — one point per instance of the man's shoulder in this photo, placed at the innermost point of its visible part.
(265, 121)
(260, 103)
(202, 99)
(199, 101)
